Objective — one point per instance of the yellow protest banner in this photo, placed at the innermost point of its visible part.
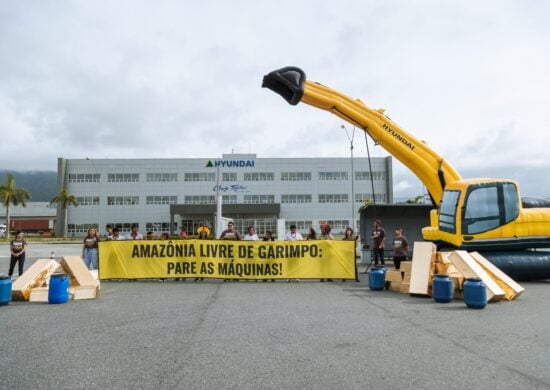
(146, 259)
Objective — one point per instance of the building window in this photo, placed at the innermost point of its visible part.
(300, 225)
(367, 198)
(200, 176)
(191, 226)
(124, 227)
(161, 199)
(333, 198)
(229, 176)
(365, 175)
(229, 199)
(336, 225)
(73, 229)
(123, 177)
(199, 199)
(157, 227)
(259, 176)
(333, 176)
(296, 198)
(87, 200)
(261, 225)
(84, 177)
(122, 200)
(259, 199)
(162, 177)
(295, 176)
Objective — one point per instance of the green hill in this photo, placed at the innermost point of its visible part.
(41, 184)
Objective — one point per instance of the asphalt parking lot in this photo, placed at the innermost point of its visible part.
(167, 335)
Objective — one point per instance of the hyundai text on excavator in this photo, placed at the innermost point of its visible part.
(485, 215)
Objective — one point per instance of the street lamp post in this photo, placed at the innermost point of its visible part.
(350, 138)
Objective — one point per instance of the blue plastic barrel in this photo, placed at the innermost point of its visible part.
(442, 289)
(5, 290)
(475, 294)
(377, 278)
(59, 288)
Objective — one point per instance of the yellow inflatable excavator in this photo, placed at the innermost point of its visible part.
(485, 215)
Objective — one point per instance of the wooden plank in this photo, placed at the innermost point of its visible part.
(79, 273)
(509, 285)
(393, 276)
(83, 292)
(469, 268)
(421, 266)
(395, 286)
(404, 289)
(39, 294)
(405, 266)
(35, 276)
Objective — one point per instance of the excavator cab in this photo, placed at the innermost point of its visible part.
(485, 214)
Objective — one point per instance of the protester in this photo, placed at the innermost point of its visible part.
(250, 234)
(116, 235)
(17, 250)
(183, 234)
(109, 231)
(150, 235)
(268, 236)
(203, 235)
(230, 233)
(203, 228)
(378, 237)
(325, 235)
(348, 236)
(400, 248)
(293, 235)
(135, 234)
(165, 236)
(89, 250)
(312, 235)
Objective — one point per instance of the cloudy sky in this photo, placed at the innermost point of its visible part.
(132, 79)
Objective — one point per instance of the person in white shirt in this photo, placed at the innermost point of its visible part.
(135, 234)
(293, 235)
(250, 234)
(116, 235)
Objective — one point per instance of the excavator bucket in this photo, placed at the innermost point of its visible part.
(287, 82)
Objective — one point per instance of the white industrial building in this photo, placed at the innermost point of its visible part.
(174, 194)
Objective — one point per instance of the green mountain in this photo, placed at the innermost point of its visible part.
(41, 184)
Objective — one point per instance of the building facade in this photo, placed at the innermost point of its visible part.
(174, 194)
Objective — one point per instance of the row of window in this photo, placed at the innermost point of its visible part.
(191, 225)
(228, 199)
(226, 176)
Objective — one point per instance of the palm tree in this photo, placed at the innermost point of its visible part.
(66, 199)
(11, 195)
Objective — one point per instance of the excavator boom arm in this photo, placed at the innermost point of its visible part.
(432, 170)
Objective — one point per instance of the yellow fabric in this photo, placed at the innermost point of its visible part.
(227, 259)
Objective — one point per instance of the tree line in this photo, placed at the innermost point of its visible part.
(12, 195)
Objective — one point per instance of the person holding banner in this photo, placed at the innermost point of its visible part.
(230, 233)
(325, 235)
(250, 234)
(293, 235)
(135, 234)
(203, 228)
